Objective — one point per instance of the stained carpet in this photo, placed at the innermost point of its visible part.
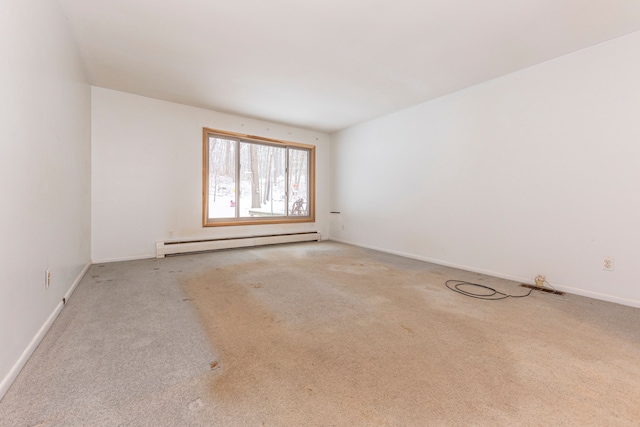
(324, 334)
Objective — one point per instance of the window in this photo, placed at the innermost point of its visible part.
(254, 180)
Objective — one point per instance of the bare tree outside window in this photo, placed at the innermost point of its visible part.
(222, 177)
(256, 180)
(298, 172)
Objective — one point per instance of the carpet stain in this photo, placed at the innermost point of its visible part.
(333, 340)
(306, 341)
(358, 267)
(407, 329)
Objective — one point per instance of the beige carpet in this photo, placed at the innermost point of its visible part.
(342, 336)
(325, 334)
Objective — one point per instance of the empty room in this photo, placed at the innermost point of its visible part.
(338, 213)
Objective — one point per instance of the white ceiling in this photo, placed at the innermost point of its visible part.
(327, 64)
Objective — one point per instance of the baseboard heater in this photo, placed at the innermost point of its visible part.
(182, 247)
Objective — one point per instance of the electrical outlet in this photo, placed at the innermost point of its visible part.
(47, 279)
(540, 279)
(607, 263)
(342, 227)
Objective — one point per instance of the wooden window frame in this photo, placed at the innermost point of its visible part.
(207, 222)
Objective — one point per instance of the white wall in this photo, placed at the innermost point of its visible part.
(147, 173)
(533, 173)
(44, 177)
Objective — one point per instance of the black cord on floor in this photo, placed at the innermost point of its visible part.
(490, 293)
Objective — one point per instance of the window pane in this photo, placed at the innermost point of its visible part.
(262, 180)
(298, 182)
(222, 178)
(253, 180)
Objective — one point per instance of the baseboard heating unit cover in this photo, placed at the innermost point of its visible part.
(187, 246)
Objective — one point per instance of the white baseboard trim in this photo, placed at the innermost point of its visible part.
(35, 341)
(567, 289)
(77, 281)
(120, 259)
(599, 296)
